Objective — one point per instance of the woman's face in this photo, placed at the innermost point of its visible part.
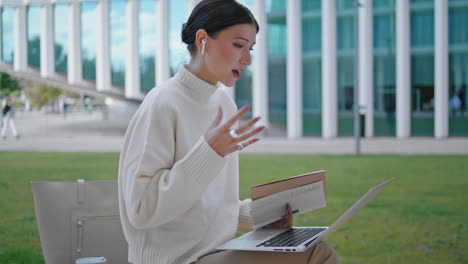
(228, 54)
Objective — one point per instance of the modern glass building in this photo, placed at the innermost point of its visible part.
(408, 58)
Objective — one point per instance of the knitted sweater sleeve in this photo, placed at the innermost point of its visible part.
(156, 188)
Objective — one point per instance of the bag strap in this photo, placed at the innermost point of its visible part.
(80, 191)
(80, 198)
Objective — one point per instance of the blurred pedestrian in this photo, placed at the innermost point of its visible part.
(8, 118)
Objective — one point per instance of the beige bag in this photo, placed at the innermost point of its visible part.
(79, 219)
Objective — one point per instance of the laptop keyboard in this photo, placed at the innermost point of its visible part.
(291, 237)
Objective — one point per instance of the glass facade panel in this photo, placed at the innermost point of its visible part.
(311, 34)
(243, 89)
(276, 6)
(312, 120)
(117, 42)
(8, 14)
(422, 95)
(384, 95)
(311, 5)
(276, 29)
(276, 13)
(383, 25)
(88, 39)
(345, 71)
(345, 33)
(344, 5)
(422, 71)
(33, 35)
(458, 34)
(311, 67)
(60, 37)
(384, 68)
(147, 43)
(421, 1)
(458, 71)
(422, 29)
(383, 3)
(345, 67)
(178, 53)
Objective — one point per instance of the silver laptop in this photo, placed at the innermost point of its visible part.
(296, 239)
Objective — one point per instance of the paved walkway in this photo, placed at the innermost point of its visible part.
(85, 132)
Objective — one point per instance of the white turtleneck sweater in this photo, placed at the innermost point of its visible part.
(178, 198)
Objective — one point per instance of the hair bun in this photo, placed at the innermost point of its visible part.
(183, 33)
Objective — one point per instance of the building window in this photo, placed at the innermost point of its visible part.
(147, 43)
(8, 14)
(117, 42)
(60, 37)
(88, 39)
(33, 35)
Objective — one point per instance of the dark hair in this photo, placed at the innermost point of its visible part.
(214, 16)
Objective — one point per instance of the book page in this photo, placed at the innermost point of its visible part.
(262, 190)
(302, 199)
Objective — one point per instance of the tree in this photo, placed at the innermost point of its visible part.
(41, 94)
(8, 85)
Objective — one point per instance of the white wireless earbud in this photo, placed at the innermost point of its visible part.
(203, 46)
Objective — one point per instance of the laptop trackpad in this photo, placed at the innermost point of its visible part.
(264, 233)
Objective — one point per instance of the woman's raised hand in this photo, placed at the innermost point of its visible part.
(224, 140)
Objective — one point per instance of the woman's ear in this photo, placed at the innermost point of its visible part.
(201, 38)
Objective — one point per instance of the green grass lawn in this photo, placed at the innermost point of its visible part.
(422, 217)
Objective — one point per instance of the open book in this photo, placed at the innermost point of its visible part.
(304, 193)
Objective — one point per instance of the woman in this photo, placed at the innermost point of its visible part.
(178, 169)
(8, 118)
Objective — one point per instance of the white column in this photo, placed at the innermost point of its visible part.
(162, 41)
(47, 41)
(294, 69)
(132, 62)
(74, 67)
(260, 66)
(329, 75)
(366, 69)
(103, 80)
(20, 50)
(403, 70)
(441, 68)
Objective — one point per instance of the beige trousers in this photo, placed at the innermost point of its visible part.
(322, 253)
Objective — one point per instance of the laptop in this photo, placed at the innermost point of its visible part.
(296, 239)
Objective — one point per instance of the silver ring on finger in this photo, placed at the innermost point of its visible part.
(233, 133)
(240, 147)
